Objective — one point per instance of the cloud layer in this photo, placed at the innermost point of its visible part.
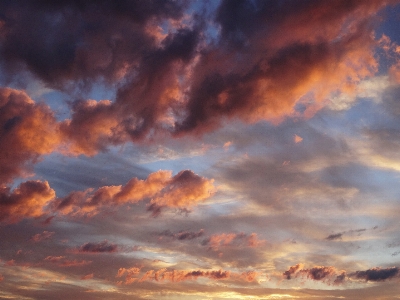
(230, 149)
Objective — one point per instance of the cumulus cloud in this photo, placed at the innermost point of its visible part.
(32, 199)
(184, 84)
(28, 200)
(78, 41)
(280, 68)
(27, 130)
(183, 190)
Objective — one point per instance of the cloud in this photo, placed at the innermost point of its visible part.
(130, 274)
(28, 200)
(217, 241)
(336, 236)
(182, 235)
(61, 261)
(36, 198)
(183, 84)
(292, 270)
(87, 277)
(91, 129)
(318, 273)
(340, 278)
(280, 69)
(84, 44)
(27, 130)
(183, 190)
(182, 275)
(45, 235)
(376, 274)
(101, 247)
(297, 139)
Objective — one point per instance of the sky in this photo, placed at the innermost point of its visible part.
(231, 149)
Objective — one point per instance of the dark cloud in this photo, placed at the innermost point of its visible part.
(167, 78)
(336, 236)
(340, 278)
(316, 273)
(183, 235)
(101, 247)
(79, 40)
(376, 274)
(292, 270)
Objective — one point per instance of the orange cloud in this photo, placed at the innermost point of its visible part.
(183, 85)
(27, 130)
(87, 277)
(297, 139)
(133, 275)
(392, 51)
(232, 239)
(61, 261)
(179, 275)
(284, 72)
(26, 201)
(249, 276)
(182, 190)
(92, 128)
(179, 90)
(129, 272)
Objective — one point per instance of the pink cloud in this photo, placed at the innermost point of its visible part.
(26, 201)
(45, 235)
(61, 261)
(162, 189)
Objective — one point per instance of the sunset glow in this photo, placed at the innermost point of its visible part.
(183, 149)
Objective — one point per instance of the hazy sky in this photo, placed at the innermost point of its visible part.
(195, 150)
